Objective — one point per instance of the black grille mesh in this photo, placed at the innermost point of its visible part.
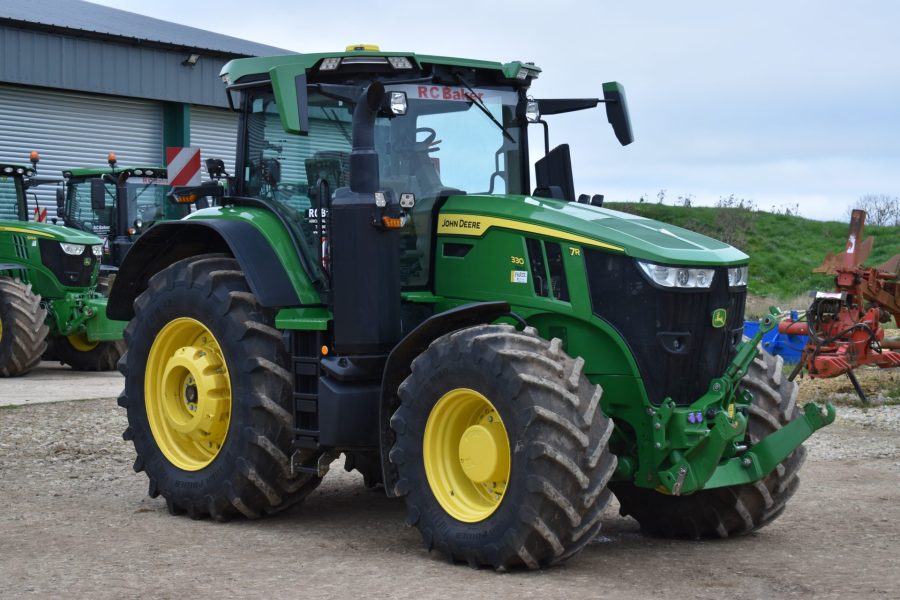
(654, 321)
(72, 271)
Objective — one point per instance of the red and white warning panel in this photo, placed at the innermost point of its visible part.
(183, 165)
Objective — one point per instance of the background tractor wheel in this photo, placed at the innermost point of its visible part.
(736, 510)
(501, 449)
(83, 355)
(23, 333)
(208, 394)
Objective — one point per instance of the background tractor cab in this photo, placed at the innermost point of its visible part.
(15, 196)
(116, 204)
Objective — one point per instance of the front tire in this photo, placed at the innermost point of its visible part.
(208, 394)
(23, 333)
(83, 355)
(501, 449)
(736, 510)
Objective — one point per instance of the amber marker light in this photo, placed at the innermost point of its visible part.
(392, 222)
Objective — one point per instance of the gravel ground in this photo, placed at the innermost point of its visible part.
(77, 522)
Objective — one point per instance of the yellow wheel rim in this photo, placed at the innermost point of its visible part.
(80, 342)
(187, 394)
(466, 455)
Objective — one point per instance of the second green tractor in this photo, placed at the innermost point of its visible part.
(49, 303)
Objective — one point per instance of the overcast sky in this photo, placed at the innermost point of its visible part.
(781, 103)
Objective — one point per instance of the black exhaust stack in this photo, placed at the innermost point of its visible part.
(365, 258)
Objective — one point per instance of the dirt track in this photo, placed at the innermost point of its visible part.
(76, 522)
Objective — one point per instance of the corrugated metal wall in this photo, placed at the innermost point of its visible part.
(214, 130)
(106, 67)
(76, 130)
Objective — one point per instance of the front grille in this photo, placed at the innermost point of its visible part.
(72, 271)
(20, 246)
(670, 332)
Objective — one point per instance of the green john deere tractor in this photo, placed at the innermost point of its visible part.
(48, 276)
(115, 204)
(382, 280)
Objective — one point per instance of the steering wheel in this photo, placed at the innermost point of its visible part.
(429, 144)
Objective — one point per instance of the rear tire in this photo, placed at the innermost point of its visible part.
(23, 333)
(552, 489)
(736, 510)
(249, 474)
(85, 356)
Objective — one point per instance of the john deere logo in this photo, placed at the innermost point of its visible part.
(719, 316)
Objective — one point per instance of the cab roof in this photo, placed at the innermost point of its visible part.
(236, 69)
(100, 171)
(12, 170)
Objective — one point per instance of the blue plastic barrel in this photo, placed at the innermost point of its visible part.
(789, 347)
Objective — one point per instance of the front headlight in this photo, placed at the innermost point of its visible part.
(73, 249)
(97, 251)
(738, 276)
(677, 277)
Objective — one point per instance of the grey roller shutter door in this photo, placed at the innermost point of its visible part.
(76, 130)
(214, 131)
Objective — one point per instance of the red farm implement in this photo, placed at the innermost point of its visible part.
(845, 326)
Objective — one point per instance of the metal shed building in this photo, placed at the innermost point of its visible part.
(80, 80)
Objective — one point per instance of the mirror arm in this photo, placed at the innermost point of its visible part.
(546, 136)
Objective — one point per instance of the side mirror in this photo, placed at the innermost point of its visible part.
(554, 175)
(98, 194)
(60, 200)
(216, 168)
(617, 111)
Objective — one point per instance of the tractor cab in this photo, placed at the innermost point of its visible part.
(116, 204)
(445, 129)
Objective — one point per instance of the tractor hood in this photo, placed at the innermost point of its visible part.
(48, 231)
(587, 225)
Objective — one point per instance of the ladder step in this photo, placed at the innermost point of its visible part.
(306, 406)
(306, 369)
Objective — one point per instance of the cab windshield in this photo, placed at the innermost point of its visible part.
(146, 200)
(445, 144)
(10, 207)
